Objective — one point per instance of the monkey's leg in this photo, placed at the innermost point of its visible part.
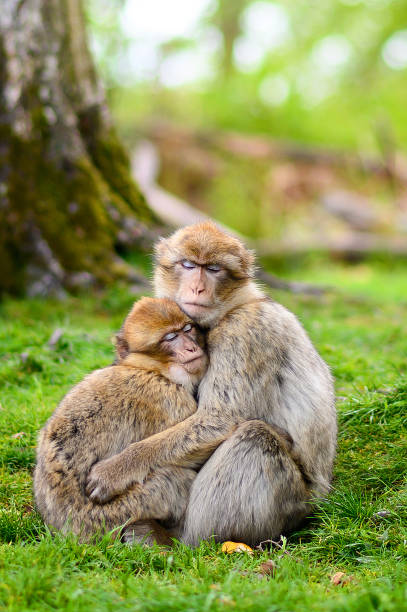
(250, 490)
(164, 496)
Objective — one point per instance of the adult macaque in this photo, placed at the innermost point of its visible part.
(266, 389)
(160, 360)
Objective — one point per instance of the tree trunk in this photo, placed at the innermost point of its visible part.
(67, 199)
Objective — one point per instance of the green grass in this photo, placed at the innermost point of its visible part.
(360, 332)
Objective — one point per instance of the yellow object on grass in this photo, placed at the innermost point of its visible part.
(232, 547)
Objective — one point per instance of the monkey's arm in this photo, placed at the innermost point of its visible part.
(227, 397)
(186, 444)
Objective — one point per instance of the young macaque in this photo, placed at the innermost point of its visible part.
(160, 361)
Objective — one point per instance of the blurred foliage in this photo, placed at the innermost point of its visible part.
(330, 73)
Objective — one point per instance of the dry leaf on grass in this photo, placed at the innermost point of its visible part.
(381, 514)
(232, 547)
(268, 568)
(340, 578)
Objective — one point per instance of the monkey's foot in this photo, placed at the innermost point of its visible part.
(147, 532)
(232, 547)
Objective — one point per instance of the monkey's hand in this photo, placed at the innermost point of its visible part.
(104, 482)
(112, 477)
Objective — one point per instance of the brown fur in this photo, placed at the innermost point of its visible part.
(147, 532)
(205, 243)
(267, 395)
(110, 409)
(147, 323)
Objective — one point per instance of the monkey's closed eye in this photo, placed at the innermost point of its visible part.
(170, 336)
(188, 264)
(187, 327)
(213, 268)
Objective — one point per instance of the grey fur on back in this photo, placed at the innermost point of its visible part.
(263, 366)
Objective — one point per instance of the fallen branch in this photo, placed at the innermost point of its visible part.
(171, 210)
(348, 246)
(293, 286)
(260, 147)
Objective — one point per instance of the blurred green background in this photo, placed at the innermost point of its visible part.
(327, 76)
(323, 72)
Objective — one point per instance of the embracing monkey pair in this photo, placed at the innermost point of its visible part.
(123, 447)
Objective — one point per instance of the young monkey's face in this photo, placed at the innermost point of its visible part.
(157, 332)
(185, 348)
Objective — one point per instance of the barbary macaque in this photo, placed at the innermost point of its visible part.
(160, 361)
(267, 393)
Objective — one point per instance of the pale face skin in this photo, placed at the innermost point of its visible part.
(196, 294)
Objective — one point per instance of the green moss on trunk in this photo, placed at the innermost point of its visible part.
(71, 204)
(109, 156)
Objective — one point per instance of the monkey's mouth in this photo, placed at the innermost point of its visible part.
(197, 305)
(192, 360)
(195, 365)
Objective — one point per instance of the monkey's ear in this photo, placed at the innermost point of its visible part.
(166, 251)
(122, 347)
(249, 262)
(161, 248)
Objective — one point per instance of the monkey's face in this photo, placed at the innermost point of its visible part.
(201, 267)
(199, 290)
(159, 331)
(184, 347)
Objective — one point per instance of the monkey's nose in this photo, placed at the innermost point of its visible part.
(198, 290)
(192, 348)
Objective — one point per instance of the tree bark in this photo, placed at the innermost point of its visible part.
(67, 198)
